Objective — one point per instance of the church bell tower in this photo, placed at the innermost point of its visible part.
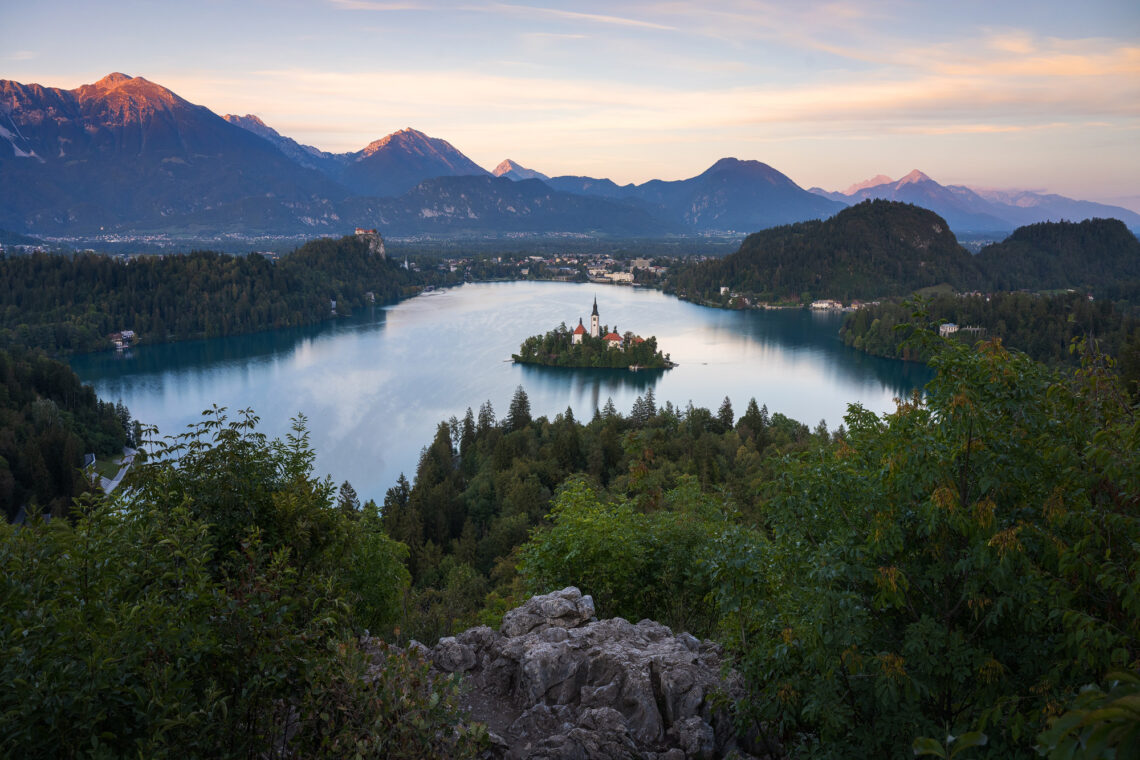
(594, 328)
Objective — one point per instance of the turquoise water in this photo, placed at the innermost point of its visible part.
(374, 388)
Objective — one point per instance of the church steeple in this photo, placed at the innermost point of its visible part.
(595, 330)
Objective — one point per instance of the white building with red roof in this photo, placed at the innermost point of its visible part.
(579, 331)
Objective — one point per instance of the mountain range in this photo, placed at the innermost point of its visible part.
(969, 210)
(125, 155)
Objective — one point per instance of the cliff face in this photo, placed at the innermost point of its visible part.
(556, 682)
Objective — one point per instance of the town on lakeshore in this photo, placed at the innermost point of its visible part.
(595, 347)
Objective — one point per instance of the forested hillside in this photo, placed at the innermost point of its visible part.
(64, 304)
(48, 421)
(881, 249)
(875, 249)
(1097, 255)
(1043, 326)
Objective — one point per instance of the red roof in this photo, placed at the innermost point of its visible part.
(613, 336)
(579, 330)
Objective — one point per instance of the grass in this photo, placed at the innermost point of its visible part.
(108, 468)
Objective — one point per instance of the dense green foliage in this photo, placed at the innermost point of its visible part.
(1043, 326)
(73, 303)
(557, 349)
(48, 421)
(483, 484)
(968, 561)
(210, 610)
(640, 564)
(876, 248)
(1097, 255)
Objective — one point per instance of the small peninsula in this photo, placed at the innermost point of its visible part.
(597, 347)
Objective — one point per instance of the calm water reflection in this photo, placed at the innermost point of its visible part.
(374, 388)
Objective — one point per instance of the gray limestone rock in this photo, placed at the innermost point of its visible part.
(558, 684)
(563, 609)
(451, 656)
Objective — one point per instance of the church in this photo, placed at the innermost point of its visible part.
(613, 339)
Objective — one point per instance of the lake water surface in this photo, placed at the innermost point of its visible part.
(375, 387)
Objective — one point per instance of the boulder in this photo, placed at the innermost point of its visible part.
(452, 656)
(563, 609)
(557, 684)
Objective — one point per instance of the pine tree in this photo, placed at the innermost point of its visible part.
(724, 415)
(486, 417)
(518, 416)
(347, 499)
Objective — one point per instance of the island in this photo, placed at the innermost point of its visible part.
(598, 347)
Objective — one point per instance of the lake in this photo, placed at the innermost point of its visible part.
(375, 387)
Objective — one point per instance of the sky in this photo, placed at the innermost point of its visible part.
(1001, 94)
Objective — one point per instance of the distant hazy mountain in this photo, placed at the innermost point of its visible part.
(730, 196)
(878, 179)
(876, 248)
(330, 164)
(736, 195)
(127, 151)
(484, 204)
(511, 170)
(603, 188)
(1028, 208)
(395, 164)
(963, 211)
(969, 210)
(386, 167)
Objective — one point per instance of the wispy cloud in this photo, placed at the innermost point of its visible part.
(20, 55)
(597, 18)
(929, 104)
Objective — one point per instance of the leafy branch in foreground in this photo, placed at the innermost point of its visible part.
(211, 609)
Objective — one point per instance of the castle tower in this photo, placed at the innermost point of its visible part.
(595, 331)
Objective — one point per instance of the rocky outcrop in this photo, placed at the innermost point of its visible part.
(555, 683)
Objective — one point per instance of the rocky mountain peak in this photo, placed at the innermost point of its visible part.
(249, 118)
(511, 169)
(506, 165)
(878, 179)
(118, 99)
(113, 80)
(406, 138)
(253, 124)
(914, 176)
